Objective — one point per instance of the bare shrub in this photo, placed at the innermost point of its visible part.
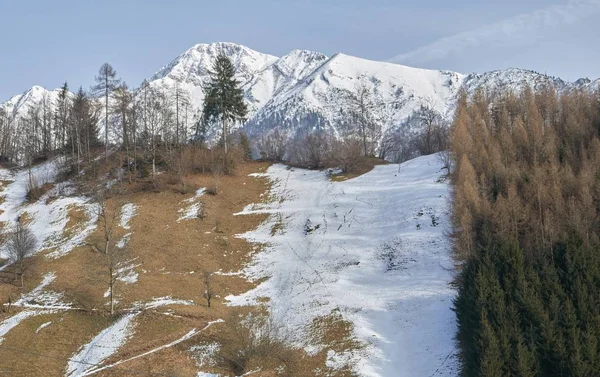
(311, 151)
(445, 158)
(255, 341)
(20, 244)
(35, 190)
(186, 187)
(346, 154)
(272, 146)
(201, 214)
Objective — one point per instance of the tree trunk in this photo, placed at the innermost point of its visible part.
(106, 119)
(225, 134)
(112, 300)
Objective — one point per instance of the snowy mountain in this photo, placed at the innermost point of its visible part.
(304, 90)
(320, 99)
(18, 105)
(190, 69)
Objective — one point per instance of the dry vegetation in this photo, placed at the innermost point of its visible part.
(526, 214)
(171, 258)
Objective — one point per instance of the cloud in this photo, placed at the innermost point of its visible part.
(523, 29)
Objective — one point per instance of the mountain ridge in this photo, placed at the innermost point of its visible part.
(303, 90)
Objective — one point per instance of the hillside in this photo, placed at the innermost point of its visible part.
(287, 242)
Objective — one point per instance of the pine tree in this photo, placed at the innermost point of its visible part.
(224, 99)
(61, 117)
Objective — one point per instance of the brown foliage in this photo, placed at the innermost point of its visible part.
(528, 167)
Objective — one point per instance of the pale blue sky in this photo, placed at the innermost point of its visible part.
(48, 42)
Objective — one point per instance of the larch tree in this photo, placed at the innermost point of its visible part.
(106, 83)
(361, 106)
(224, 99)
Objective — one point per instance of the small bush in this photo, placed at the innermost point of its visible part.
(346, 155)
(185, 187)
(35, 190)
(254, 342)
(212, 190)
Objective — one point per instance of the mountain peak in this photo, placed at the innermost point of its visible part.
(197, 60)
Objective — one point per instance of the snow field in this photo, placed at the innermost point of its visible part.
(373, 248)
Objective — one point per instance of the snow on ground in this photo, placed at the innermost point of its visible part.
(128, 211)
(372, 247)
(193, 206)
(48, 217)
(40, 298)
(43, 326)
(127, 273)
(107, 342)
(13, 321)
(123, 241)
(192, 333)
(163, 301)
(204, 353)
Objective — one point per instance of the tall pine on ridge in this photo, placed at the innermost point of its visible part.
(224, 99)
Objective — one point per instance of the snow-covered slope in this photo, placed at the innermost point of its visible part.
(516, 79)
(372, 248)
(18, 105)
(321, 98)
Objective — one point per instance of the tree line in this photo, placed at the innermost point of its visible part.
(526, 212)
(110, 113)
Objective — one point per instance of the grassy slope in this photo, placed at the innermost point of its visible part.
(171, 256)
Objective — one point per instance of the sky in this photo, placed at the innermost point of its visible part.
(49, 42)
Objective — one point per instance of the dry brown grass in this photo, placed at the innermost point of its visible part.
(172, 257)
(47, 351)
(364, 165)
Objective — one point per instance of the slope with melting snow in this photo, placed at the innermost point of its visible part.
(48, 218)
(372, 247)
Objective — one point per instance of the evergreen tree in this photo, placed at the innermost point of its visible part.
(224, 99)
(527, 218)
(61, 115)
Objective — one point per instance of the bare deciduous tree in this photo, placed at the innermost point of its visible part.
(346, 154)
(361, 106)
(20, 244)
(272, 146)
(112, 256)
(434, 132)
(208, 289)
(106, 83)
(311, 151)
